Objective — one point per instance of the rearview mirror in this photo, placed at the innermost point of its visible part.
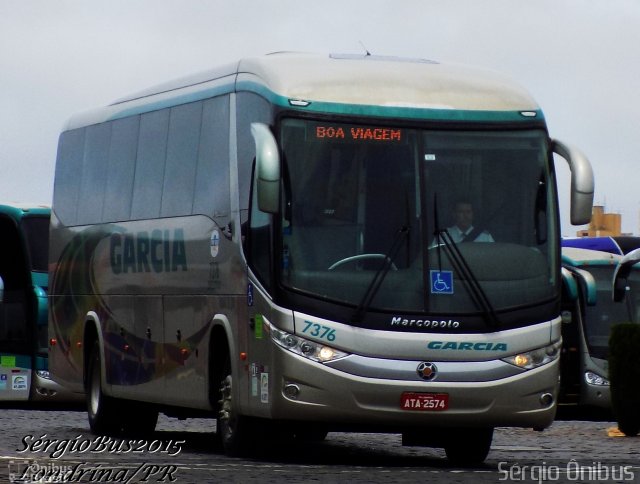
(621, 274)
(267, 168)
(582, 184)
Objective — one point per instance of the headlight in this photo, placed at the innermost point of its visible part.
(535, 358)
(304, 347)
(43, 374)
(594, 379)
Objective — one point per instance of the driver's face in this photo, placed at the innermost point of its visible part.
(464, 216)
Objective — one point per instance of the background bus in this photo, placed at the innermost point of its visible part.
(256, 242)
(24, 239)
(618, 244)
(589, 313)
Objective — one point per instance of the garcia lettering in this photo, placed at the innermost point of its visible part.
(467, 345)
(160, 251)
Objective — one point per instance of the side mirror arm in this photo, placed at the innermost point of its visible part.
(582, 184)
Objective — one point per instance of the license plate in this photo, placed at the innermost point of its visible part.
(430, 402)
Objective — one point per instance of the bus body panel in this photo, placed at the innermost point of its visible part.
(156, 286)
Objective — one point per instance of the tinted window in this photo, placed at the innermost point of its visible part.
(94, 173)
(67, 180)
(121, 169)
(212, 175)
(182, 157)
(149, 177)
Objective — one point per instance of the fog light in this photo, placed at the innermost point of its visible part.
(291, 391)
(546, 399)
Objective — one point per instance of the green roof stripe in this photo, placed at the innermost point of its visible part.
(321, 107)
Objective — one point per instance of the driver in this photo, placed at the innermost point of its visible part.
(463, 229)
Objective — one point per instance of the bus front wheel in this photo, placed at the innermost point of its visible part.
(234, 430)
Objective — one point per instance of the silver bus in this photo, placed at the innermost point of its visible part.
(270, 243)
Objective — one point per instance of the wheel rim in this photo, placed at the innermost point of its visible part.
(226, 414)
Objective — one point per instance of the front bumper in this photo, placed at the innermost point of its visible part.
(338, 398)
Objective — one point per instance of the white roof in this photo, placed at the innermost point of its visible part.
(386, 81)
(347, 79)
(585, 256)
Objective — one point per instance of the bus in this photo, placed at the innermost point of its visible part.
(615, 244)
(589, 311)
(24, 237)
(255, 242)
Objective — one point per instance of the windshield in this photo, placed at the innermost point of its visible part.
(606, 312)
(410, 220)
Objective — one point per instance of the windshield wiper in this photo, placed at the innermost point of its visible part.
(381, 273)
(461, 266)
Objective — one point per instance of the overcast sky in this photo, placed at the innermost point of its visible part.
(580, 59)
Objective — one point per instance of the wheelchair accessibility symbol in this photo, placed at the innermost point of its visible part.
(441, 282)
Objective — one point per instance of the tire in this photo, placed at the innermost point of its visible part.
(102, 410)
(234, 431)
(468, 447)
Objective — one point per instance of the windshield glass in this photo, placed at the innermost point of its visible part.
(606, 312)
(412, 220)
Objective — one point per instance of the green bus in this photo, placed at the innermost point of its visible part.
(24, 238)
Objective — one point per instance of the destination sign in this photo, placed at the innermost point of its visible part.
(358, 133)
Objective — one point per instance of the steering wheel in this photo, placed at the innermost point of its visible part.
(358, 257)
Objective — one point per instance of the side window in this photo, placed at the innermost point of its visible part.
(165, 163)
(94, 171)
(259, 240)
(149, 176)
(67, 182)
(181, 160)
(121, 169)
(212, 195)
